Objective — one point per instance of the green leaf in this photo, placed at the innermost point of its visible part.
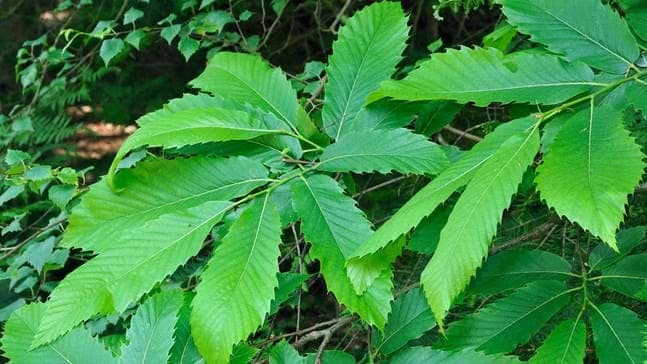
(369, 46)
(423, 354)
(636, 96)
(405, 152)
(513, 268)
(105, 217)
(628, 276)
(242, 354)
(60, 195)
(169, 33)
(425, 237)
(385, 114)
(184, 350)
(110, 48)
(590, 169)
(188, 46)
(283, 353)
(410, 318)
(192, 126)
(131, 15)
(288, 283)
(435, 115)
(566, 28)
(120, 274)
(152, 329)
(499, 327)
(75, 347)
(617, 334)
(437, 191)
(636, 15)
(238, 285)
(602, 256)
(135, 37)
(566, 344)
(463, 245)
(335, 226)
(248, 79)
(487, 76)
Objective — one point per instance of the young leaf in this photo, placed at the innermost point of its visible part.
(192, 126)
(369, 47)
(151, 331)
(566, 344)
(437, 191)
(105, 218)
(514, 268)
(367, 151)
(628, 276)
(484, 76)
(410, 318)
(77, 346)
(591, 168)
(424, 354)
(238, 285)
(617, 334)
(119, 275)
(566, 28)
(499, 327)
(110, 48)
(463, 245)
(335, 226)
(248, 79)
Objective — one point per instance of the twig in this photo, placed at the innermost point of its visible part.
(333, 26)
(540, 230)
(463, 134)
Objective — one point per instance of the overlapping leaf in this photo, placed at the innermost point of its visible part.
(437, 191)
(514, 268)
(119, 275)
(74, 348)
(384, 151)
(602, 256)
(335, 226)
(151, 332)
(104, 218)
(238, 285)
(628, 276)
(512, 320)
(473, 222)
(369, 47)
(484, 76)
(591, 168)
(248, 79)
(636, 14)
(565, 27)
(424, 354)
(618, 335)
(193, 126)
(410, 318)
(566, 344)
